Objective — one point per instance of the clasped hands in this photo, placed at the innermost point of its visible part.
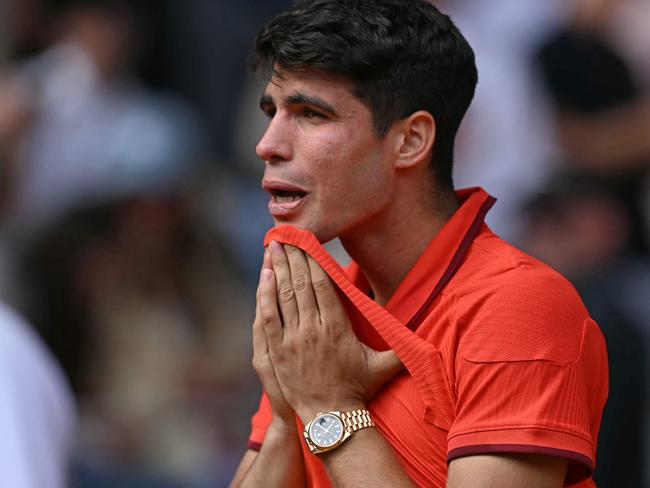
(305, 351)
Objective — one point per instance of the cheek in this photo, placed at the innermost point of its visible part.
(345, 167)
(329, 161)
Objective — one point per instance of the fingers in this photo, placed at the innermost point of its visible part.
(270, 315)
(284, 286)
(329, 303)
(302, 286)
(306, 295)
(266, 263)
(261, 354)
(260, 347)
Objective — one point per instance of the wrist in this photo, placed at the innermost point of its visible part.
(309, 412)
(283, 427)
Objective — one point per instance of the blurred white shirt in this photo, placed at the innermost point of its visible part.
(37, 417)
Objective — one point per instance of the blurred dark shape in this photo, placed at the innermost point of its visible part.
(579, 226)
(28, 30)
(584, 74)
(55, 303)
(206, 60)
(602, 112)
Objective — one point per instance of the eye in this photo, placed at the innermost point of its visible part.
(269, 112)
(312, 114)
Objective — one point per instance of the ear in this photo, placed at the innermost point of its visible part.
(415, 142)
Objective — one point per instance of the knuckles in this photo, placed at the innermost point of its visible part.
(300, 282)
(321, 284)
(260, 362)
(286, 292)
(268, 321)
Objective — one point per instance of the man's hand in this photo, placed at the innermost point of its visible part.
(280, 460)
(283, 415)
(318, 361)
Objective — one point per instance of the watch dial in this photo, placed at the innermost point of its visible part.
(326, 430)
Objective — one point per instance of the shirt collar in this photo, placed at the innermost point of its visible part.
(439, 261)
(433, 269)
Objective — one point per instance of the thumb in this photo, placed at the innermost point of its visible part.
(387, 363)
(383, 365)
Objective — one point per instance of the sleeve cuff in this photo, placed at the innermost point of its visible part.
(577, 450)
(254, 446)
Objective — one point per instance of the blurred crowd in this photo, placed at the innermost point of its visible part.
(131, 217)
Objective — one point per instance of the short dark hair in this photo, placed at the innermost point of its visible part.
(400, 56)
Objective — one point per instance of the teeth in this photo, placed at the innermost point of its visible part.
(287, 198)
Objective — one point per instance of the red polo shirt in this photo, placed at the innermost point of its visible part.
(500, 354)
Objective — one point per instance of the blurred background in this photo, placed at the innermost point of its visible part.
(131, 216)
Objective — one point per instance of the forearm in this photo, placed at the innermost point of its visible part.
(366, 459)
(279, 462)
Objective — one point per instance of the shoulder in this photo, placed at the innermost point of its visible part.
(513, 307)
(37, 415)
(18, 340)
(26, 365)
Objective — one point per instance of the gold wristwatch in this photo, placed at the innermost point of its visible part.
(331, 429)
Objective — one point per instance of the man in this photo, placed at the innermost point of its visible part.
(441, 356)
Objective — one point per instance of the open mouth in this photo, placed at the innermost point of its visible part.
(287, 196)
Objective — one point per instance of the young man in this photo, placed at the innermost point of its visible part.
(441, 356)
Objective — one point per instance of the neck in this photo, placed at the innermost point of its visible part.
(387, 250)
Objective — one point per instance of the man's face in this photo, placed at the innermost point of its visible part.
(326, 170)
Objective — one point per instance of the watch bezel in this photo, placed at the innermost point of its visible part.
(338, 441)
(351, 422)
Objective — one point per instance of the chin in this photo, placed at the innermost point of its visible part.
(320, 234)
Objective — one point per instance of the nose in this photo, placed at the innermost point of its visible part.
(275, 144)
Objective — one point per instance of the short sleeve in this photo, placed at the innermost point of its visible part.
(531, 377)
(260, 423)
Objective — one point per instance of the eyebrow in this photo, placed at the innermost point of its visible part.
(298, 98)
(302, 99)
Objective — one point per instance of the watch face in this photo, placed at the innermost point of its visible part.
(326, 430)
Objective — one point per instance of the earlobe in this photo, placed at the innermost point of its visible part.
(418, 132)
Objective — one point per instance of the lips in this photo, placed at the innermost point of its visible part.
(286, 197)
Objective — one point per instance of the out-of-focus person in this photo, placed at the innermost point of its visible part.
(144, 308)
(77, 127)
(602, 103)
(37, 415)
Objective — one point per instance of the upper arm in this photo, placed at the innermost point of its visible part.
(507, 470)
(244, 465)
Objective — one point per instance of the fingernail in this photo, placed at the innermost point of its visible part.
(267, 274)
(276, 248)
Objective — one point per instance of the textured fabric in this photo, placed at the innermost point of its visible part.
(502, 358)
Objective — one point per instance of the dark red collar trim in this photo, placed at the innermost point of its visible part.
(455, 263)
